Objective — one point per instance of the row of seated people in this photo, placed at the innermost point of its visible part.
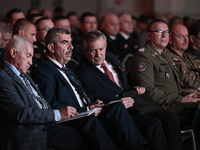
(29, 121)
(127, 102)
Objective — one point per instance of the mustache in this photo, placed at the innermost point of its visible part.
(28, 65)
(97, 58)
(69, 52)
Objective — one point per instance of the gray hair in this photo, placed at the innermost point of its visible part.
(52, 36)
(91, 37)
(122, 15)
(18, 42)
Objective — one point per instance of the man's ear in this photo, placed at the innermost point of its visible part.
(13, 52)
(50, 47)
(170, 40)
(191, 39)
(21, 32)
(148, 35)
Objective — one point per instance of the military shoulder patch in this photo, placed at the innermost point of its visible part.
(141, 66)
(141, 50)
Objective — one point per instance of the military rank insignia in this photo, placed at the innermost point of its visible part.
(35, 46)
(141, 66)
(141, 50)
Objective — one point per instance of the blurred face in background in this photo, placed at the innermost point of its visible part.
(126, 24)
(89, 24)
(111, 25)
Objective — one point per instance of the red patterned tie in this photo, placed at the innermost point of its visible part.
(108, 73)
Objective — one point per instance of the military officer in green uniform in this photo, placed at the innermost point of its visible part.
(154, 69)
(187, 65)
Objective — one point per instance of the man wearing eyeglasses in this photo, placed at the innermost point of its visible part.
(88, 22)
(154, 69)
(194, 39)
(42, 26)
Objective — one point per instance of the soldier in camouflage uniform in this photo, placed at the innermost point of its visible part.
(186, 64)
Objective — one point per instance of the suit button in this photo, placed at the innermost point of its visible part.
(117, 95)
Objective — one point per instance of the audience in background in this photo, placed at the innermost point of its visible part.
(194, 39)
(6, 34)
(88, 22)
(62, 22)
(13, 15)
(127, 43)
(110, 27)
(74, 23)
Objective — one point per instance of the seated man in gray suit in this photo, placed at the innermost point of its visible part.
(27, 121)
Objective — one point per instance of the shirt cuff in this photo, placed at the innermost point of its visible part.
(57, 115)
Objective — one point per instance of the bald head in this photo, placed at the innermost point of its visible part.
(111, 24)
(179, 38)
(25, 28)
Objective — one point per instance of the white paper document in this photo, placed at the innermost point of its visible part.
(111, 102)
(80, 115)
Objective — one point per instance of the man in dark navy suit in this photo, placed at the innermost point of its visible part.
(99, 84)
(60, 87)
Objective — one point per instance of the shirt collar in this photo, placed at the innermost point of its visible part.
(13, 68)
(124, 35)
(55, 62)
(112, 37)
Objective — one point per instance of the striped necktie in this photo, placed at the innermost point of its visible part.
(39, 99)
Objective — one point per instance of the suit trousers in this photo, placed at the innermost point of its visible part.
(120, 126)
(87, 130)
(160, 129)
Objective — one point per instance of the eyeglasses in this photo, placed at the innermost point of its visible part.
(46, 29)
(90, 22)
(167, 32)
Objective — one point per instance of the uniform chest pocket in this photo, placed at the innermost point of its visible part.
(163, 74)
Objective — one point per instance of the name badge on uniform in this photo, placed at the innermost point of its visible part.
(167, 75)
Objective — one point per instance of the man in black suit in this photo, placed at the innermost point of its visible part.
(27, 121)
(126, 41)
(99, 85)
(60, 87)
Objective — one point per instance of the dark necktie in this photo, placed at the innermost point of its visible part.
(42, 101)
(76, 84)
(108, 73)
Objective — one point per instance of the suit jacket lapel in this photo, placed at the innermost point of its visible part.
(20, 83)
(55, 70)
(100, 77)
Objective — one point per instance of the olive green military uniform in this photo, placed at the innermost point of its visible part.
(188, 70)
(158, 74)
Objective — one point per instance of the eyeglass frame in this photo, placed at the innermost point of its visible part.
(46, 29)
(167, 32)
